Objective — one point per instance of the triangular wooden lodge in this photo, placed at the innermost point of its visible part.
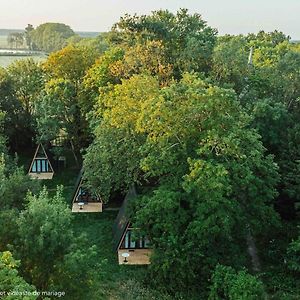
(132, 249)
(41, 167)
(83, 199)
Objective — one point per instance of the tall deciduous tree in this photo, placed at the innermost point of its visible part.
(28, 36)
(57, 111)
(229, 61)
(228, 284)
(60, 105)
(45, 236)
(293, 253)
(14, 185)
(48, 246)
(15, 39)
(187, 39)
(27, 80)
(206, 168)
(70, 62)
(14, 118)
(12, 285)
(51, 36)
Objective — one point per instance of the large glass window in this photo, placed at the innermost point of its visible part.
(40, 165)
(83, 195)
(130, 241)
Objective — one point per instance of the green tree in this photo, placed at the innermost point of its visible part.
(188, 40)
(57, 111)
(45, 236)
(11, 281)
(271, 97)
(292, 256)
(51, 37)
(14, 185)
(14, 114)
(98, 43)
(273, 38)
(98, 76)
(229, 61)
(49, 248)
(147, 58)
(15, 39)
(210, 181)
(27, 80)
(117, 113)
(226, 283)
(3, 148)
(65, 70)
(268, 89)
(70, 63)
(134, 290)
(8, 229)
(28, 33)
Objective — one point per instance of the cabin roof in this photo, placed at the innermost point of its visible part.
(79, 183)
(122, 221)
(40, 153)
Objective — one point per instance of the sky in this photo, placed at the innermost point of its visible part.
(228, 16)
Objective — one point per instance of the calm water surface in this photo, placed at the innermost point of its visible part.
(6, 60)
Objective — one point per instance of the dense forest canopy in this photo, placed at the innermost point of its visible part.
(49, 36)
(206, 127)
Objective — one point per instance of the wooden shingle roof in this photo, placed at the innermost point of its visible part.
(123, 219)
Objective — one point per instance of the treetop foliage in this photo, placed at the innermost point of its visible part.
(187, 39)
(50, 37)
(11, 281)
(207, 129)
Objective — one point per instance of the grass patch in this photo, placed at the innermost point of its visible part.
(62, 176)
(67, 178)
(98, 228)
(112, 281)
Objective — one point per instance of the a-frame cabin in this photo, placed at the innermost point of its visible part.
(83, 199)
(41, 167)
(131, 248)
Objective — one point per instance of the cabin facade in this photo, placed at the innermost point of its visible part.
(83, 200)
(132, 249)
(41, 167)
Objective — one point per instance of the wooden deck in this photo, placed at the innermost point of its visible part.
(87, 208)
(136, 256)
(41, 175)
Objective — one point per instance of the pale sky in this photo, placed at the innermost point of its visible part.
(228, 16)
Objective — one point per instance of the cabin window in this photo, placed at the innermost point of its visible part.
(40, 165)
(84, 195)
(131, 242)
(146, 242)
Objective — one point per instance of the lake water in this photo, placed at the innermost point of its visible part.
(7, 60)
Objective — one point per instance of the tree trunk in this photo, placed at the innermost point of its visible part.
(74, 154)
(252, 251)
